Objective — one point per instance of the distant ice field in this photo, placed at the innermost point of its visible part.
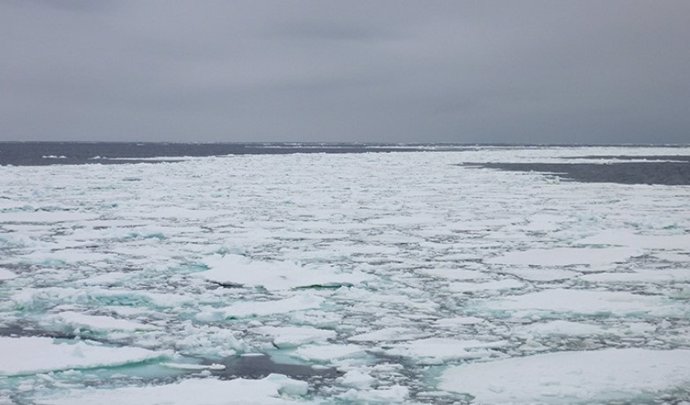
(405, 276)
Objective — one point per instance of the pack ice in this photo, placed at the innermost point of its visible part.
(343, 278)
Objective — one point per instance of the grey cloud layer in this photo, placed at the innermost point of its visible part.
(399, 71)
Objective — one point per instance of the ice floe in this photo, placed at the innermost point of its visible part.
(437, 350)
(565, 256)
(622, 237)
(99, 323)
(31, 355)
(273, 389)
(567, 377)
(585, 302)
(328, 352)
(561, 327)
(262, 308)
(6, 275)
(290, 336)
(236, 270)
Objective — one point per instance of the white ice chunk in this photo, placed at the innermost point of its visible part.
(357, 379)
(99, 322)
(567, 377)
(581, 301)
(566, 256)
(642, 276)
(45, 216)
(241, 271)
(289, 336)
(394, 334)
(622, 237)
(262, 308)
(390, 395)
(436, 350)
(505, 284)
(192, 366)
(6, 275)
(31, 355)
(561, 327)
(209, 391)
(460, 321)
(542, 274)
(454, 274)
(328, 352)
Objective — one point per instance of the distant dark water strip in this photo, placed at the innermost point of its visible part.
(61, 153)
(664, 173)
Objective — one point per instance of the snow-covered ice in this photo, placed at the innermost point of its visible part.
(31, 355)
(273, 389)
(565, 256)
(358, 278)
(570, 377)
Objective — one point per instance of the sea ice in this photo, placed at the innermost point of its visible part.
(290, 336)
(561, 327)
(328, 352)
(495, 285)
(583, 302)
(6, 275)
(567, 377)
(622, 237)
(641, 276)
(357, 379)
(390, 395)
(273, 389)
(263, 308)
(436, 350)
(541, 274)
(99, 323)
(240, 271)
(31, 355)
(387, 335)
(565, 256)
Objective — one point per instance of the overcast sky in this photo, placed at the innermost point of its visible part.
(393, 71)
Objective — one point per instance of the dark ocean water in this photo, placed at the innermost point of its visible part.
(51, 153)
(652, 172)
(674, 171)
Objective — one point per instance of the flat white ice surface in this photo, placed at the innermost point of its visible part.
(30, 355)
(6, 275)
(561, 327)
(98, 322)
(289, 336)
(241, 271)
(436, 350)
(389, 267)
(263, 308)
(208, 391)
(567, 377)
(328, 352)
(582, 301)
(565, 256)
(622, 237)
